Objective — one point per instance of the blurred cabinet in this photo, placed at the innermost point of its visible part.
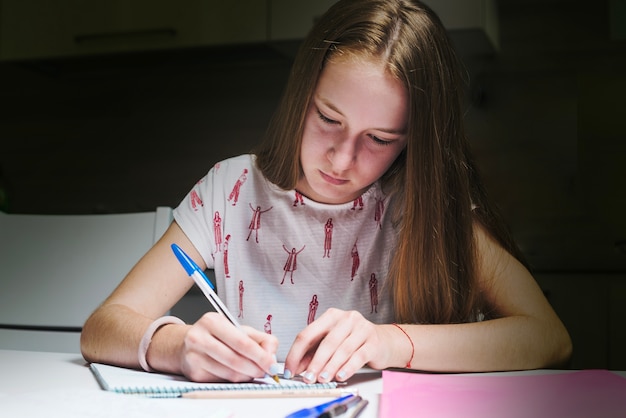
(41, 28)
(473, 24)
(593, 308)
(292, 19)
(36, 29)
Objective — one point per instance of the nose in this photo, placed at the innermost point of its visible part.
(343, 154)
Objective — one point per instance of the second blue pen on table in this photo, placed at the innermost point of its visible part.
(315, 411)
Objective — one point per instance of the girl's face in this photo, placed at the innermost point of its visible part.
(354, 129)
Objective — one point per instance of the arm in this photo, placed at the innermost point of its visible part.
(210, 349)
(527, 335)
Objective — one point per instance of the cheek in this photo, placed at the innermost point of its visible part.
(315, 140)
(309, 150)
(378, 164)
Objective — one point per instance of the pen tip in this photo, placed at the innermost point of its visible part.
(276, 379)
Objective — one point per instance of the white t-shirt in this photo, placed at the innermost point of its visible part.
(280, 259)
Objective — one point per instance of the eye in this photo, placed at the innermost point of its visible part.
(326, 119)
(380, 141)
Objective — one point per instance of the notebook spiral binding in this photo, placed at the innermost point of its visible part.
(169, 392)
(157, 385)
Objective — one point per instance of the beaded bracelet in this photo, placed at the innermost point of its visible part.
(147, 338)
(408, 364)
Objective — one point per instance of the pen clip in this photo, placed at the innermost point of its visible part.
(340, 407)
(315, 411)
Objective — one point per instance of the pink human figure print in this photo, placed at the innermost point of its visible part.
(267, 327)
(299, 199)
(241, 290)
(328, 237)
(358, 202)
(255, 223)
(226, 270)
(195, 200)
(373, 284)
(356, 261)
(234, 194)
(217, 231)
(291, 264)
(378, 213)
(313, 304)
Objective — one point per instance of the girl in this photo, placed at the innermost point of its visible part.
(371, 118)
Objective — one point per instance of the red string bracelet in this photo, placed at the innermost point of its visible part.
(408, 365)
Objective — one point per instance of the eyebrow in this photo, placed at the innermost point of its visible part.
(334, 109)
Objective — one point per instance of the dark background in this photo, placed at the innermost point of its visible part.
(546, 113)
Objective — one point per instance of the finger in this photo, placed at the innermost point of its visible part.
(334, 351)
(247, 350)
(198, 367)
(351, 356)
(268, 345)
(203, 359)
(218, 340)
(345, 349)
(305, 345)
(268, 342)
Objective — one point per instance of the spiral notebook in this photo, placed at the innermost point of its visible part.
(161, 385)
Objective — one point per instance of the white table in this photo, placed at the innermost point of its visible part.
(42, 384)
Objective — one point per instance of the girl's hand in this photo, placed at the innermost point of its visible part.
(215, 350)
(337, 344)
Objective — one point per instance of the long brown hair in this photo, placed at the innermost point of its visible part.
(434, 182)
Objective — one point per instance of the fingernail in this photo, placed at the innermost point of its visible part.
(274, 369)
(287, 374)
(309, 376)
(341, 375)
(324, 375)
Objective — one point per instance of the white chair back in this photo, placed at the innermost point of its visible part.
(56, 269)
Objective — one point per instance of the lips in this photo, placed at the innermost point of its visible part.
(332, 180)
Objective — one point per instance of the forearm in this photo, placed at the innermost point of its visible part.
(112, 335)
(512, 343)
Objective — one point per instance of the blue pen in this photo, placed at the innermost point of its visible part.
(203, 282)
(340, 408)
(315, 411)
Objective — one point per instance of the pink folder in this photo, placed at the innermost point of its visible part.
(585, 394)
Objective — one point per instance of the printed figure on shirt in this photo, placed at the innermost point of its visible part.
(356, 261)
(234, 194)
(196, 202)
(241, 290)
(328, 237)
(255, 223)
(380, 210)
(374, 293)
(267, 327)
(312, 309)
(291, 264)
(226, 270)
(217, 231)
(358, 202)
(299, 199)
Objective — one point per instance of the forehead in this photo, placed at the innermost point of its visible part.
(363, 88)
(360, 64)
